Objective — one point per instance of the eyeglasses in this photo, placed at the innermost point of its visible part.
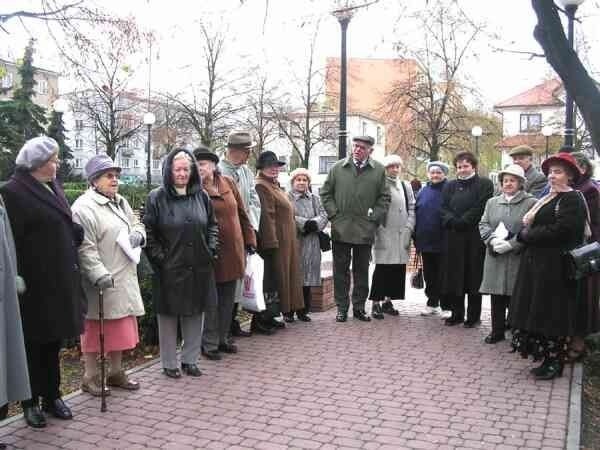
(112, 175)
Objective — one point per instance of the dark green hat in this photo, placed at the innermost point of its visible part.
(521, 150)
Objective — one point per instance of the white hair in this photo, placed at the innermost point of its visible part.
(183, 155)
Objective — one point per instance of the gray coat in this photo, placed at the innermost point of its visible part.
(392, 240)
(500, 271)
(535, 181)
(14, 377)
(308, 206)
(244, 179)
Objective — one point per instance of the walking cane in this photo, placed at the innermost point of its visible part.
(102, 358)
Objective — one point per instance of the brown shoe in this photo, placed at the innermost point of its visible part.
(92, 386)
(120, 380)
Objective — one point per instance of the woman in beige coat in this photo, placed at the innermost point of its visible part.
(104, 215)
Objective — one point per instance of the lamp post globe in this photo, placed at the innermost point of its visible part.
(547, 131)
(476, 132)
(149, 120)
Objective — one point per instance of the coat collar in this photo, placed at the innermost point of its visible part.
(115, 206)
(350, 160)
(518, 198)
(219, 187)
(33, 186)
(298, 195)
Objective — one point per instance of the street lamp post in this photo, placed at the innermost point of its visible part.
(547, 132)
(476, 132)
(343, 16)
(570, 7)
(149, 120)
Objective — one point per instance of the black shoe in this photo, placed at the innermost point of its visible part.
(191, 369)
(258, 327)
(361, 315)
(341, 316)
(552, 369)
(213, 355)
(303, 317)
(289, 317)
(57, 408)
(471, 323)
(274, 323)
(388, 308)
(228, 348)
(494, 338)
(172, 373)
(451, 321)
(34, 417)
(236, 330)
(377, 312)
(2, 446)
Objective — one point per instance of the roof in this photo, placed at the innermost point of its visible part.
(39, 69)
(544, 94)
(536, 141)
(334, 115)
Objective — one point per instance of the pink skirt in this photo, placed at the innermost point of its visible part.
(119, 334)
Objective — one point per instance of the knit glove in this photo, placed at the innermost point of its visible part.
(250, 249)
(502, 246)
(310, 226)
(136, 239)
(105, 282)
(21, 287)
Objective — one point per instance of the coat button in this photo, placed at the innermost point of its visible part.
(190, 268)
(190, 244)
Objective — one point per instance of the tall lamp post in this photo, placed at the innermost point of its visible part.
(149, 120)
(570, 7)
(343, 16)
(547, 132)
(476, 132)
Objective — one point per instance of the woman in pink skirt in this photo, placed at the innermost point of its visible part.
(110, 228)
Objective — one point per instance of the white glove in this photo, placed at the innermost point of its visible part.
(21, 287)
(502, 247)
(136, 239)
(495, 241)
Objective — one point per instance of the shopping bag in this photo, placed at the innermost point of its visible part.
(416, 278)
(252, 293)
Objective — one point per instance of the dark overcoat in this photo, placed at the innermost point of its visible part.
(46, 239)
(428, 227)
(543, 299)
(463, 253)
(182, 237)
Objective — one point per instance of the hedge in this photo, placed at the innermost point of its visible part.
(135, 195)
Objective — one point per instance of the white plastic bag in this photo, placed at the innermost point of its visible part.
(252, 292)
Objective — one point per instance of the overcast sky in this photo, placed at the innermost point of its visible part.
(277, 38)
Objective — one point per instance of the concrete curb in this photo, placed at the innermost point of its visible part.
(573, 440)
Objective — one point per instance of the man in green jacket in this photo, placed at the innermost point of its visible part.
(356, 198)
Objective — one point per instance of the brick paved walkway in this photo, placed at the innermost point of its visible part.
(406, 382)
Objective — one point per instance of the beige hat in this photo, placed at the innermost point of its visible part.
(512, 169)
(240, 139)
(392, 160)
(299, 171)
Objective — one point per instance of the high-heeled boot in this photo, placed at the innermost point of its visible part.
(550, 369)
(377, 311)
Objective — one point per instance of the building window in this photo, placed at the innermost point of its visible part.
(379, 135)
(156, 164)
(136, 163)
(78, 143)
(326, 162)
(125, 163)
(531, 123)
(42, 87)
(125, 144)
(364, 128)
(79, 124)
(78, 163)
(7, 81)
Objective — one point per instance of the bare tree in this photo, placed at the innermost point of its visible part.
(431, 99)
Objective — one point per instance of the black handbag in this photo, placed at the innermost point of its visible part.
(416, 279)
(324, 241)
(583, 261)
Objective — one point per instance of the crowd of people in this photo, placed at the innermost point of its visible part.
(209, 214)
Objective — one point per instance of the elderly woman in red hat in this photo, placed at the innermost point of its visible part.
(543, 304)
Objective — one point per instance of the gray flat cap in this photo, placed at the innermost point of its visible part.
(366, 139)
(98, 165)
(240, 139)
(36, 152)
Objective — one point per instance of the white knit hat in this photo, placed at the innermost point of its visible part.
(392, 160)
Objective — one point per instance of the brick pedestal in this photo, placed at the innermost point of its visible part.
(322, 296)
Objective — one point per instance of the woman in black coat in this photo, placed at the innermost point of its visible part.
(46, 240)
(182, 237)
(463, 253)
(543, 305)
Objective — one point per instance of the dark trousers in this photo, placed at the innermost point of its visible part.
(217, 317)
(44, 371)
(360, 255)
(307, 298)
(432, 266)
(3, 411)
(473, 307)
(499, 306)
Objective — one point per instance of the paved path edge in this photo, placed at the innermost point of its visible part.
(574, 428)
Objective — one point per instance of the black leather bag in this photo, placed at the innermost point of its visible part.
(324, 241)
(583, 261)
(416, 279)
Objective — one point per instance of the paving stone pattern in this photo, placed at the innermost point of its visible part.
(402, 383)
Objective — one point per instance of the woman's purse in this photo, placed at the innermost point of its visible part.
(324, 238)
(416, 279)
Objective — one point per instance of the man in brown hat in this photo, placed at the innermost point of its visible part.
(234, 166)
(522, 155)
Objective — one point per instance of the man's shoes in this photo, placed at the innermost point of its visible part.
(471, 323)
(430, 311)
(288, 317)
(361, 315)
(237, 331)
(213, 355)
(303, 317)
(258, 327)
(172, 373)
(388, 308)
(34, 417)
(377, 312)
(192, 369)
(494, 338)
(57, 408)
(228, 348)
(93, 386)
(451, 321)
(341, 316)
(122, 381)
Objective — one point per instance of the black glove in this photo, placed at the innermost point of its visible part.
(310, 226)
(250, 249)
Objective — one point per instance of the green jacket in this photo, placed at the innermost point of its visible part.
(355, 204)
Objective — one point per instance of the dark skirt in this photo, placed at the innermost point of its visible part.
(388, 281)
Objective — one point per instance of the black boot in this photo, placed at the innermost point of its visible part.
(257, 326)
(34, 416)
(388, 308)
(289, 317)
(236, 330)
(377, 311)
(553, 369)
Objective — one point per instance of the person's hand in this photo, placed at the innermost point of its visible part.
(136, 239)
(21, 287)
(310, 226)
(494, 241)
(502, 246)
(250, 249)
(105, 281)
(406, 237)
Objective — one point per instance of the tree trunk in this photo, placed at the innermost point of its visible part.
(576, 79)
